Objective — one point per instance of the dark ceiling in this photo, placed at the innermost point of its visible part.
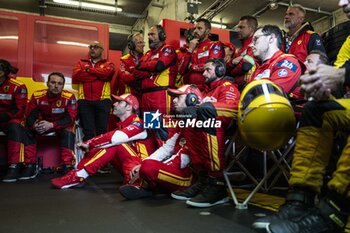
(135, 9)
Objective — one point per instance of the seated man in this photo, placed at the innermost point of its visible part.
(282, 69)
(51, 110)
(321, 117)
(13, 99)
(167, 169)
(124, 147)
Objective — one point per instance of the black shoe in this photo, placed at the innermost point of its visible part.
(313, 222)
(12, 173)
(30, 171)
(132, 192)
(187, 194)
(287, 211)
(211, 195)
(298, 203)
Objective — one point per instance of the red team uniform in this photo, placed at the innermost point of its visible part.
(61, 111)
(13, 100)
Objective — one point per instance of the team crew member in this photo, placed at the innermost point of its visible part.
(51, 110)
(220, 104)
(200, 49)
(243, 62)
(93, 76)
(157, 69)
(282, 69)
(126, 80)
(300, 38)
(312, 153)
(167, 169)
(13, 99)
(124, 147)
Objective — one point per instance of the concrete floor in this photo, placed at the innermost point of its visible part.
(35, 207)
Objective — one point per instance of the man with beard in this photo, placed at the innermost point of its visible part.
(300, 38)
(157, 70)
(51, 110)
(93, 76)
(200, 49)
(220, 103)
(243, 63)
(282, 69)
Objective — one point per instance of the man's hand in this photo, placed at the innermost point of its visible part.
(84, 147)
(209, 99)
(192, 45)
(320, 83)
(236, 60)
(134, 174)
(42, 126)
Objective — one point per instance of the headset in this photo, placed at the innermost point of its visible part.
(192, 98)
(161, 33)
(131, 43)
(220, 68)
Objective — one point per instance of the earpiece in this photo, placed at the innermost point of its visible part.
(191, 99)
(220, 68)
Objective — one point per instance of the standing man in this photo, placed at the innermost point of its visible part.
(220, 103)
(300, 38)
(243, 63)
(51, 110)
(124, 147)
(157, 70)
(127, 82)
(13, 100)
(200, 49)
(93, 76)
(282, 69)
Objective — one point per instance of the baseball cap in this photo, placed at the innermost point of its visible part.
(186, 89)
(129, 98)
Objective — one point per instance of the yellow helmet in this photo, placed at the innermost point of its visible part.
(266, 119)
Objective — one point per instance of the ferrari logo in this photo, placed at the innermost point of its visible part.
(58, 103)
(6, 89)
(299, 42)
(205, 48)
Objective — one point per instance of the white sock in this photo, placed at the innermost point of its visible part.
(83, 173)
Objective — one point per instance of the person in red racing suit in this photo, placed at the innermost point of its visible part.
(219, 108)
(282, 69)
(125, 147)
(200, 49)
(13, 99)
(300, 39)
(126, 80)
(94, 98)
(51, 110)
(243, 63)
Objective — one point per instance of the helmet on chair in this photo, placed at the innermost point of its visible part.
(266, 119)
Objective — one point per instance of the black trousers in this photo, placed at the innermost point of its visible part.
(94, 117)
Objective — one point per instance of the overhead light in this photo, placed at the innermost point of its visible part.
(72, 43)
(90, 5)
(8, 37)
(218, 25)
(273, 5)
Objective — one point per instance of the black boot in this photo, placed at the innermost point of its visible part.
(12, 174)
(298, 202)
(330, 216)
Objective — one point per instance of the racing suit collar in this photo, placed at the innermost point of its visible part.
(127, 121)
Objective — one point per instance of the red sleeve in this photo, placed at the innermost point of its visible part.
(104, 73)
(248, 58)
(133, 129)
(184, 63)
(80, 75)
(167, 57)
(286, 74)
(20, 97)
(125, 74)
(140, 74)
